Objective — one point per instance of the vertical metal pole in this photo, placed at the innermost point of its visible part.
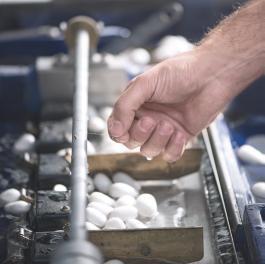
(79, 136)
(80, 35)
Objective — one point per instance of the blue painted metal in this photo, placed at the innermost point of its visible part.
(198, 17)
(237, 179)
(47, 41)
(19, 94)
(252, 125)
(250, 102)
(31, 45)
(254, 228)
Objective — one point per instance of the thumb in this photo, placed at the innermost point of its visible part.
(137, 93)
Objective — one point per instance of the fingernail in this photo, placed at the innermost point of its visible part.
(122, 139)
(116, 128)
(168, 158)
(146, 124)
(134, 144)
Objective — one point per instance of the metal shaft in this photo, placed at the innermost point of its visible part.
(79, 138)
(80, 35)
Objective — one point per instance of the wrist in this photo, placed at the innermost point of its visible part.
(235, 50)
(227, 69)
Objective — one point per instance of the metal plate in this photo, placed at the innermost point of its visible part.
(50, 210)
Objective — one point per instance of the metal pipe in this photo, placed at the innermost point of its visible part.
(79, 135)
(81, 34)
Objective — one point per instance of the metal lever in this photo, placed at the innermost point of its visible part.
(81, 36)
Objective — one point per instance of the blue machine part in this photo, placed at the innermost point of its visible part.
(19, 94)
(44, 41)
(38, 42)
(254, 228)
(252, 125)
(250, 102)
(246, 212)
(250, 234)
(235, 175)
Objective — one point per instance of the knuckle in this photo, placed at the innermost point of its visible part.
(119, 106)
(139, 78)
(166, 128)
(140, 136)
(179, 140)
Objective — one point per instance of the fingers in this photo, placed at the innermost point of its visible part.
(158, 140)
(140, 131)
(174, 148)
(155, 139)
(124, 110)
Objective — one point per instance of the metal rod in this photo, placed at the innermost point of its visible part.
(80, 35)
(210, 152)
(79, 136)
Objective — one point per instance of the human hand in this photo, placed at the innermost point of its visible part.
(163, 108)
(169, 104)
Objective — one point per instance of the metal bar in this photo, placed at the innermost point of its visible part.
(81, 33)
(222, 148)
(207, 142)
(79, 136)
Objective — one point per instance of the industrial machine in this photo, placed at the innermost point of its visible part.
(57, 86)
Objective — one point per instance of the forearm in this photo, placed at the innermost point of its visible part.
(235, 50)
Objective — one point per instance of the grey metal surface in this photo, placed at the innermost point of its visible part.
(197, 213)
(232, 184)
(105, 82)
(224, 171)
(50, 210)
(78, 250)
(218, 169)
(186, 192)
(79, 154)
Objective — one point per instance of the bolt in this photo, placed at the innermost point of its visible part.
(65, 209)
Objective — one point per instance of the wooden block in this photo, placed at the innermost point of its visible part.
(141, 169)
(144, 246)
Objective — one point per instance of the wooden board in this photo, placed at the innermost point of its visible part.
(144, 246)
(141, 169)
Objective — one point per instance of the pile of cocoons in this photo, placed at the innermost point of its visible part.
(10, 200)
(114, 261)
(258, 189)
(118, 204)
(25, 143)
